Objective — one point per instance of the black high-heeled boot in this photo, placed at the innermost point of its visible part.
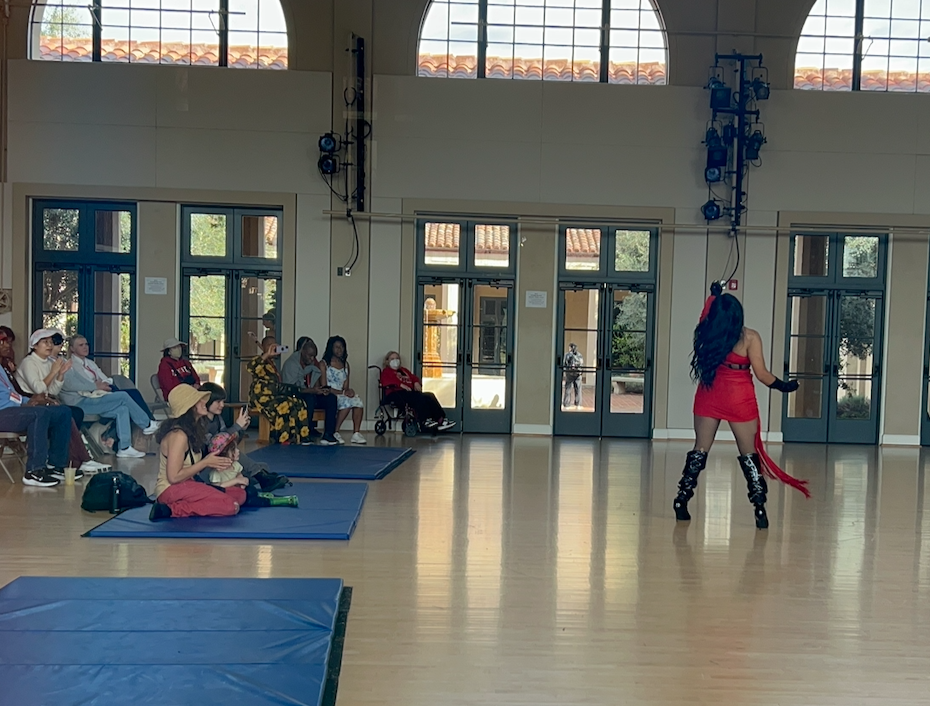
(695, 463)
(757, 487)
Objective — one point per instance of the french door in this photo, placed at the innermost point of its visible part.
(603, 360)
(834, 351)
(225, 314)
(464, 349)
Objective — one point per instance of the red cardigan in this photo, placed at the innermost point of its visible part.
(172, 373)
(393, 380)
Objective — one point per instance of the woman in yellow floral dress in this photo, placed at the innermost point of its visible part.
(290, 421)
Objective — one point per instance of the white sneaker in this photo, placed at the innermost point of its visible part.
(446, 425)
(130, 453)
(94, 467)
(151, 428)
(358, 439)
(338, 438)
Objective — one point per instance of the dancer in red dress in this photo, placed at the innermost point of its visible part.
(725, 356)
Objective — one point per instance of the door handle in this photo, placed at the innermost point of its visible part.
(468, 359)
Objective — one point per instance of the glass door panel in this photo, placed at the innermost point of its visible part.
(855, 347)
(253, 321)
(439, 342)
(113, 318)
(577, 362)
(60, 297)
(629, 361)
(259, 236)
(208, 303)
(488, 358)
(808, 337)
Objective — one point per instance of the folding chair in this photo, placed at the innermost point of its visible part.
(13, 442)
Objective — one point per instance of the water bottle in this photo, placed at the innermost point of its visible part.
(114, 508)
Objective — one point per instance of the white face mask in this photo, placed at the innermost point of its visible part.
(394, 363)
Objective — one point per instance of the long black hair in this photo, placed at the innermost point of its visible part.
(328, 355)
(194, 428)
(715, 336)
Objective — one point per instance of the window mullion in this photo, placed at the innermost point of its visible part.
(224, 33)
(605, 42)
(482, 38)
(97, 40)
(857, 45)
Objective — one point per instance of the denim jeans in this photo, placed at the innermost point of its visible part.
(120, 407)
(138, 399)
(48, 431)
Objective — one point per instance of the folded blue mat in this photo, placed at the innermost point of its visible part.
(327, 511)
(84, 641)
(337, 462)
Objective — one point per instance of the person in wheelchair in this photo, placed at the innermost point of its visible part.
(400, 387)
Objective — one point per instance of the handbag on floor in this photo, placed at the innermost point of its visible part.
(113, 491)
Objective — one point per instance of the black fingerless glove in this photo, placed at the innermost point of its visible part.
(783, 386)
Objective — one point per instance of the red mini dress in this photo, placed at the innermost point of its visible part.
(732, 397)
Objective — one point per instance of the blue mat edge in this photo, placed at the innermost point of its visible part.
(405, 454)
(223, 535)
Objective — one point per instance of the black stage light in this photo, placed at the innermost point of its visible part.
(711, 210)
(329, 142)
(720, 94)
(713, 175)
(328, 164)
(753, 144)
(761, 89)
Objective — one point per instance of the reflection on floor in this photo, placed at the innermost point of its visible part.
(539, 571)
(620, 402)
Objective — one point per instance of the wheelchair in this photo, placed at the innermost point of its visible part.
(387, 414)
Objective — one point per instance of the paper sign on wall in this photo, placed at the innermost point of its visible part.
(156, 285)
(536, 300)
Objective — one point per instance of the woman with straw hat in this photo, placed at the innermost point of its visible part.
(178, 492)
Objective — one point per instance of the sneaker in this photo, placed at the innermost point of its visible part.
(130, 453)
(39, 479)
(94, 467)
(430, 423)
(331, 441)
(358, 439)
(446, 425)
(338, 438)
(159, 511)
(151, 428)
(59, 473)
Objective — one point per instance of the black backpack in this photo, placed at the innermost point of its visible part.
(113, 491)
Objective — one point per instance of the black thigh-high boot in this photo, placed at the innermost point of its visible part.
(755, 483)
(694, 464)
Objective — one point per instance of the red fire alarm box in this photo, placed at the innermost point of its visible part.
(733, 285)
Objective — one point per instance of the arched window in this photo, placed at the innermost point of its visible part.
(869, 45)
(611, 41)
(236, 33)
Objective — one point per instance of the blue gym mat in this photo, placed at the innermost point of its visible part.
(327, 511)
(340, 462)
(183, 642)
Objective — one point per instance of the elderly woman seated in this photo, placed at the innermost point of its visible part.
(401, 387)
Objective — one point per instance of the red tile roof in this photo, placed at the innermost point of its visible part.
(55, 49)
(441, 66)
(495, 239)
(841, 80)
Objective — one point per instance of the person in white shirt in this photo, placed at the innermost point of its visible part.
(79, 351)
(39, 373)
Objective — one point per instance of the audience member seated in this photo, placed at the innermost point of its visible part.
(302, 370)
(216, 425)
(336, 371)
(175, 369)
(79, 350)
(181, 440)
(401, 387)
(78, 457)
(77, 390)
(47, 429)
(290, 421)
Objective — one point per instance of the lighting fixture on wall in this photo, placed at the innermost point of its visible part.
(735, 134)
(329, 145)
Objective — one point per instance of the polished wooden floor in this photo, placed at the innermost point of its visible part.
(532, 571)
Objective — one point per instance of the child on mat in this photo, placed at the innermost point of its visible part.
(226, 444)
